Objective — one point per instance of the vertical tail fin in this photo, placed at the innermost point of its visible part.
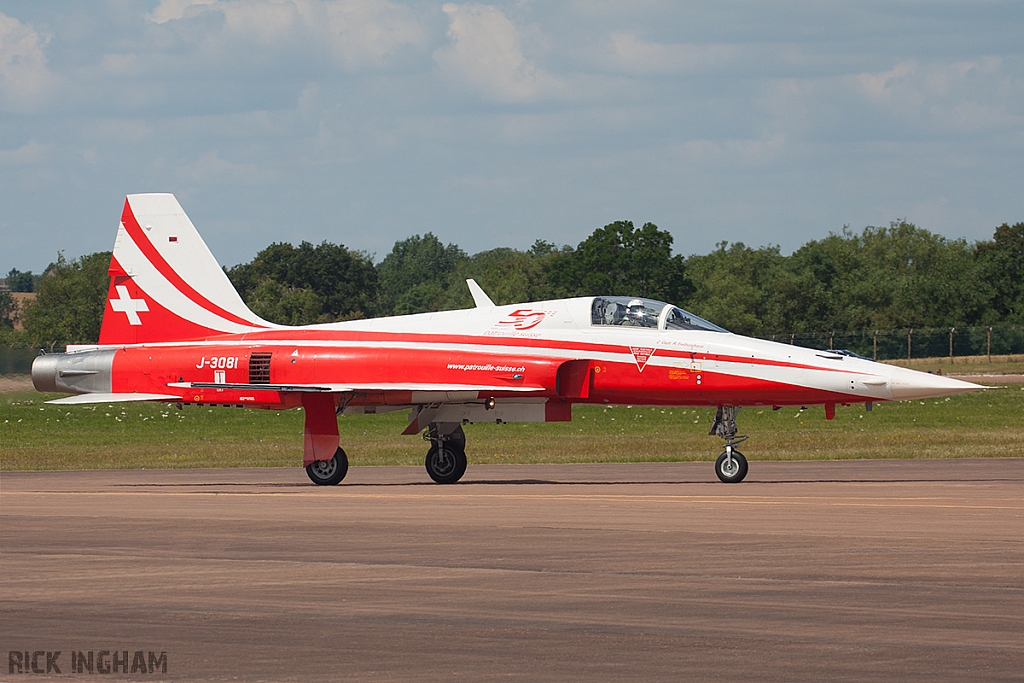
(165, 285)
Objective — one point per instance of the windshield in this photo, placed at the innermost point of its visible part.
(624, 311)
(678, 319)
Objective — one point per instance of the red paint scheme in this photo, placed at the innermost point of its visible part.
(151, 369)
(320, 433)
(116, 328)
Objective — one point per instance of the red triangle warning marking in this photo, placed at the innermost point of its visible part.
(642, 354)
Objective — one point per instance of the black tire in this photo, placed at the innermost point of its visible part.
(447, 464)
(738, 471)
(329, 472)
(462, 462)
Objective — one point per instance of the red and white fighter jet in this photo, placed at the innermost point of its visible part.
(175, 330)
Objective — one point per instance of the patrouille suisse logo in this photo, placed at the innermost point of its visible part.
(523, 319)
(642, 354)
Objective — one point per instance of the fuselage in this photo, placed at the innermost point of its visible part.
(548, 350)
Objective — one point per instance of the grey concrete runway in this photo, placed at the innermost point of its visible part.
(880, 570)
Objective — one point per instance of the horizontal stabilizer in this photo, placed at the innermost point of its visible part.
(113, 398)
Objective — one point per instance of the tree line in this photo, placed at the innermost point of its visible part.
(899, 276)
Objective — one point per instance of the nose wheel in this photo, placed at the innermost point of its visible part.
(731, 466)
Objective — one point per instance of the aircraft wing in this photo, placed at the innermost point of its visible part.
(113, 398)
(303, 388)
(346, 388)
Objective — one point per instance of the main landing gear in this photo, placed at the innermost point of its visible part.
(445, 462)
(329, 472)
(731, 466)
(446, 459)
(320, 440)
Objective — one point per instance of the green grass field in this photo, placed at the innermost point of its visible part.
(966, 365)
(34, 436)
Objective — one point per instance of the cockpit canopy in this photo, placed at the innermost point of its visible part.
(627, 311)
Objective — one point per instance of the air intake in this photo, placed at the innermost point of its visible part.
(259, 368)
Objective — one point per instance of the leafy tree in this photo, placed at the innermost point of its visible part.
(285, 305)
(884, 278)
(619, 259)
(70, 300)
(416, 276)
(735, 286)
(1001, 266)
(8, 310)
(20, 281)
(344, 281)
(507, 275)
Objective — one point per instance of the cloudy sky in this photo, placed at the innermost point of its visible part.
(366, 121)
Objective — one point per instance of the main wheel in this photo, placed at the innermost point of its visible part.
(447, 464)
(731, 472)
(329, 472)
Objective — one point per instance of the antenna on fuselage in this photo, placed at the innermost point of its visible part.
(480, 297)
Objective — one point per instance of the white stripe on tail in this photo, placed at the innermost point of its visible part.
(165, 285)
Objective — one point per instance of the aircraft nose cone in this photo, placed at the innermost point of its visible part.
(907, 385)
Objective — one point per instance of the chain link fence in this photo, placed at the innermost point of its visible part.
(905, 344)
(16, 359)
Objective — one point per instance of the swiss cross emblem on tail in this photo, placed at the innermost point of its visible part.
(642, 354)
(124, 303)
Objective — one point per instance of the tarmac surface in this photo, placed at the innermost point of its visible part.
(863, 570)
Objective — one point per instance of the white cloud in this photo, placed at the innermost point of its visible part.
(630, 54)
(122, 131)
(914, 97)
(965, 96)
(731, 153)
(879, 86)
(355, 33)
(25, 80)
(362, 33)
(121, 65)
(31, 153)
(210, 168)
(486, 53)
(169, 10)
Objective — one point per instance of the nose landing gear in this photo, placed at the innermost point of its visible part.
(731, 466)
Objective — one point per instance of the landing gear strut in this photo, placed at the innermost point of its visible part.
(731, 466)
(446, 459)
